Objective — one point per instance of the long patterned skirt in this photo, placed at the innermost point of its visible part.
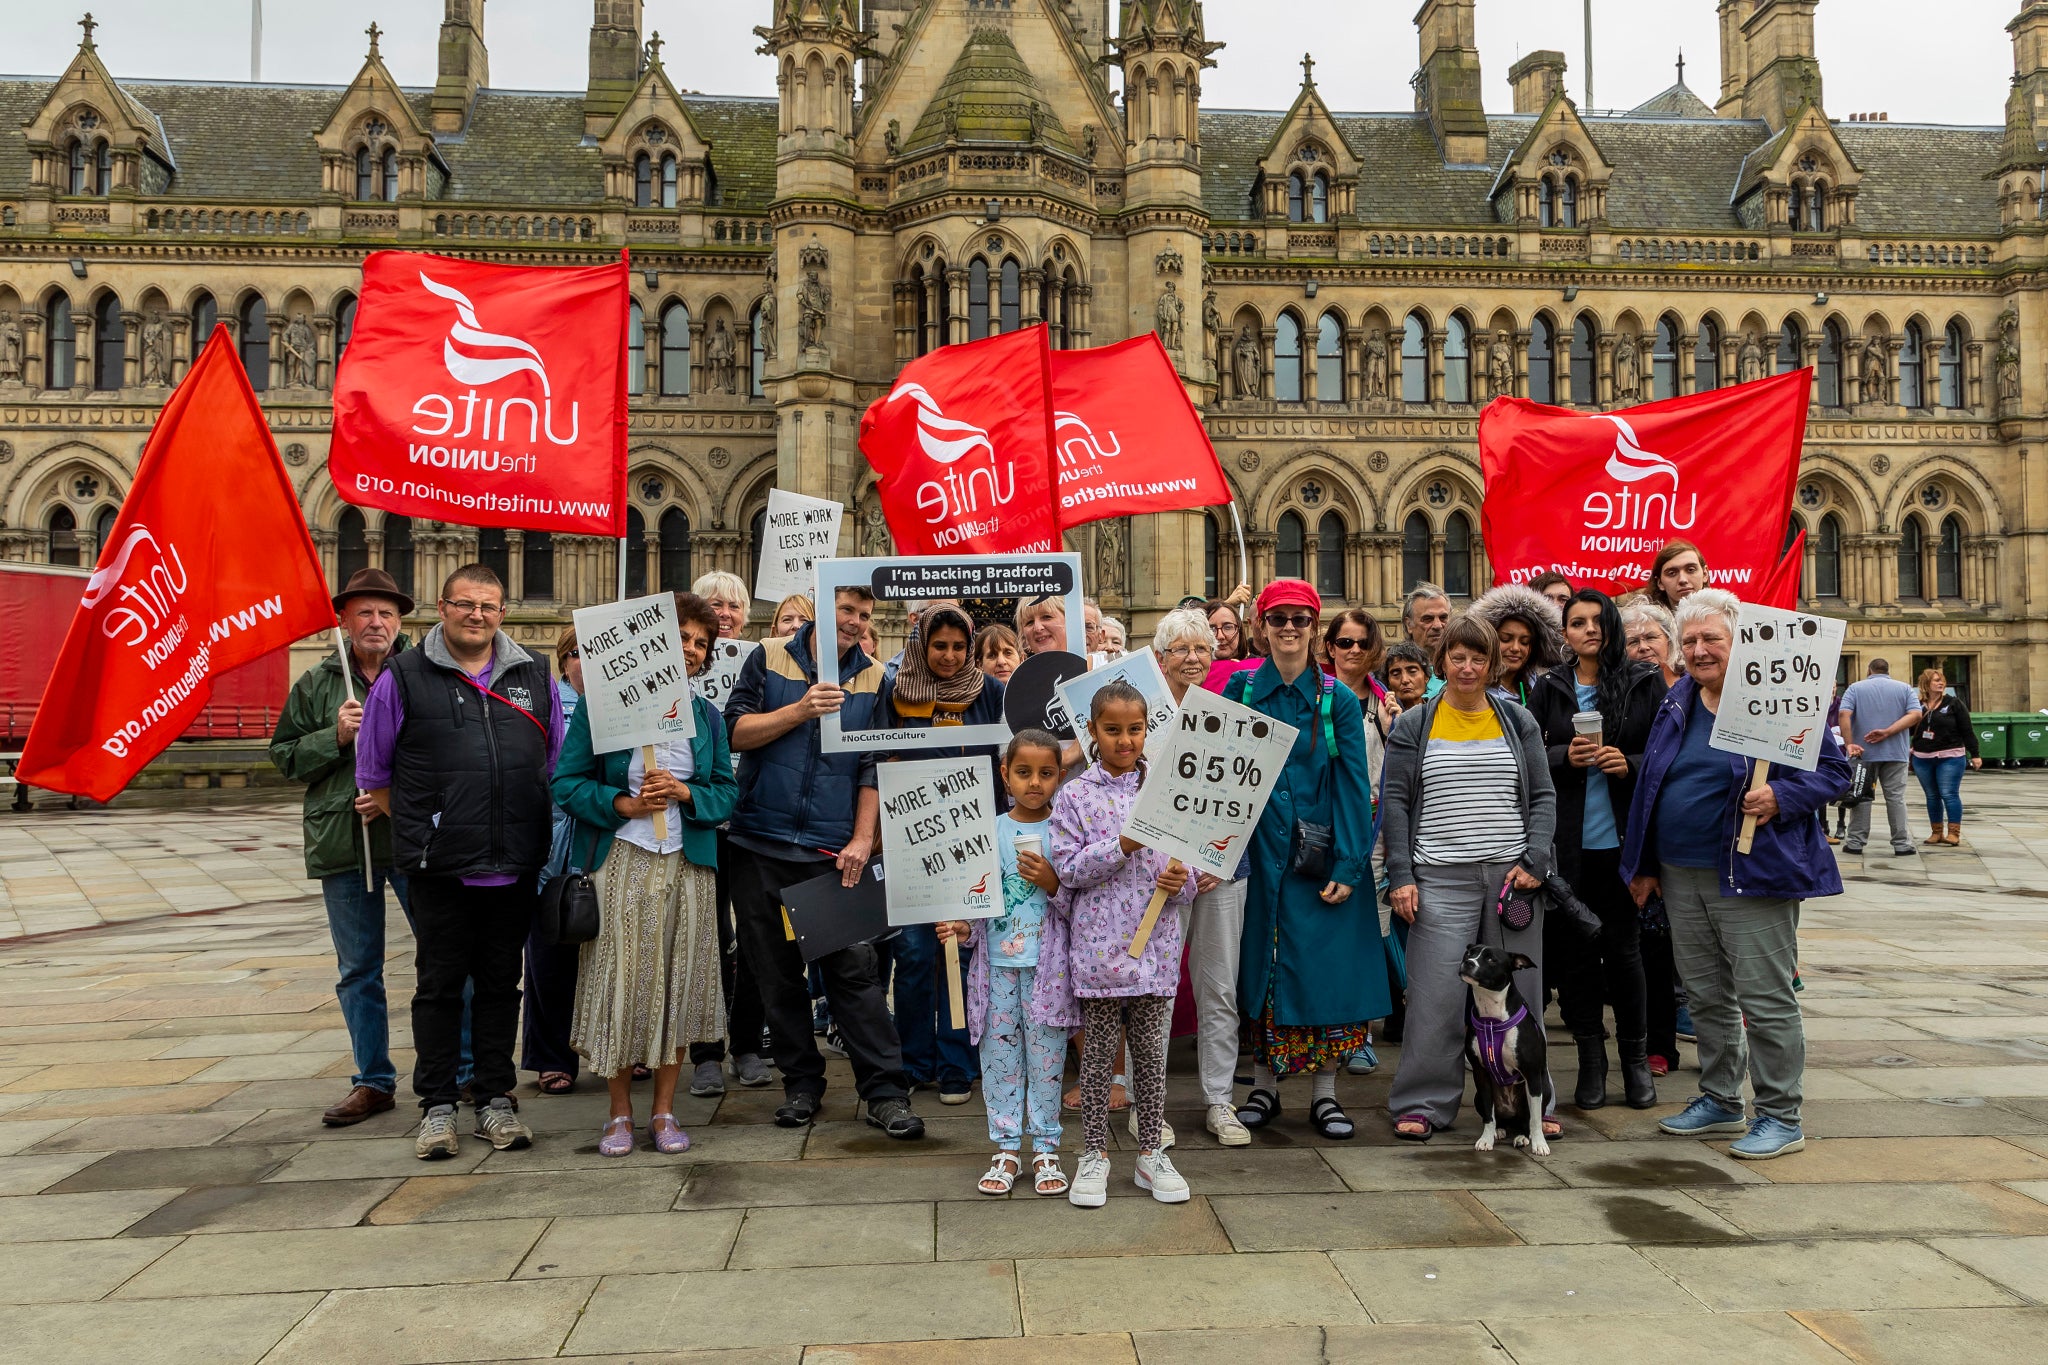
(648, 984)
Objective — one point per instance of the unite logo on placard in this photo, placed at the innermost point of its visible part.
(478, 359)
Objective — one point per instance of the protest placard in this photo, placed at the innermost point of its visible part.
(1140, 670)
(909, 580)
(1774, 701)
(800, 531)
(1212, 771)
(939, 836)
(715, 683)
(636, 683)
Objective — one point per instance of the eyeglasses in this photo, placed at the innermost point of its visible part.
(464, 607)
(1643, 639)
(573, 654)
(1187, 651)
(1347, 642)
(1281, 620)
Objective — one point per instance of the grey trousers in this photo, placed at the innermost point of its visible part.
(1454, 905)
(1891, 777)
(1736, 955)
(1215, 928)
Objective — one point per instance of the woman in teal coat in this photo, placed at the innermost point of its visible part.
(1312, 968)
(648, 985)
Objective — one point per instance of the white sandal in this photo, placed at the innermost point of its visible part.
(1046, 1176)
(1002, 1174)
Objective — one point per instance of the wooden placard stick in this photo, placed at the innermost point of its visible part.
(660, 816)
(1151, 920)
(1760, 774)
(954, 993)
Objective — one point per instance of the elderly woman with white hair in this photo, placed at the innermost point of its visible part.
(1651, 635)
(1734, 915)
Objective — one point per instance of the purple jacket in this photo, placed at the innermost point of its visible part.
(1052, 995)
(1105, 893)
(1790, 857)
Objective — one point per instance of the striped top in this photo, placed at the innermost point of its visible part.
(1470, 812)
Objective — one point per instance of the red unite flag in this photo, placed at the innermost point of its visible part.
(208, 567)
(1595, 495)
(1126, 439)
(1781, 589)
(489, 395)
(962, 443)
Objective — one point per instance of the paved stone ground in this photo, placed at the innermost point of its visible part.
(166, 1191)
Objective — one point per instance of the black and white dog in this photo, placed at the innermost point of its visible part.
(1504, 1048)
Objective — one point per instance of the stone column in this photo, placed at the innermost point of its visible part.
(131, 349)
(81, 349)
(276, 323)
(325, 361)
(515, 567)
(696, 356)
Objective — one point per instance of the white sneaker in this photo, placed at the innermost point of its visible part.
(1223, 1123)
(1156, 1173)
(1090, 1189)
(1165, 1129)
(437, 1138)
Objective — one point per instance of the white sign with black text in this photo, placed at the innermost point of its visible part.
(939, 840)
(799, 532)
(715, 683)
(1140, 670)
(1212, 771)
(1774, 701)
(636, 683)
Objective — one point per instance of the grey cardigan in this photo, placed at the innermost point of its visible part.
(1401, 788)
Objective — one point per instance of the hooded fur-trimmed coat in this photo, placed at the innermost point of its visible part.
(1544, 621)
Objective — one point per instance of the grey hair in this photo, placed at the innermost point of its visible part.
(1708, 602)
(730, 586)
(1421, 592)
(1110, 625)
(1183, 623)
(1643, 609)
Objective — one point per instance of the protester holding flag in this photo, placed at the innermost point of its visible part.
(1595, 778)
(1312, 971)
(648, 985)
(1531, 634)
(457, 742)
(1734, 916)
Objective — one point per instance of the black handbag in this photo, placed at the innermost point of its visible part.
(568, 907)
(1314, 847)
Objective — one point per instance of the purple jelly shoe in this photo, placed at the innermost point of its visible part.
(617, 1139)
(668, 1135)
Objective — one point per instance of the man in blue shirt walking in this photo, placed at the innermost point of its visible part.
(1877, 714)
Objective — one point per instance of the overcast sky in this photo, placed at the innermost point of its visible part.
(1946, 62)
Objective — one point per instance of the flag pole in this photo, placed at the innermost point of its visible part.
(1244, 572)
(348, 682)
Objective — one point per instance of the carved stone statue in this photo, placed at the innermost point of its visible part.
(156, 351)
(813, 304)
(1628, 371)
(1109, 557)
(892, 136)
(764, 318)
(2008, 362)
(1250, 367)
(1375, 364)
(1212, 325)
(1500, 366)
(718, 357)
(875, 541)
(10, 348)
(1750, 360)
(1169, 316)
(298, 353)
(1876, 381)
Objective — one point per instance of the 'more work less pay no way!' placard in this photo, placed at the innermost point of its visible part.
(635, 681)
(798, 532)
(939, 840)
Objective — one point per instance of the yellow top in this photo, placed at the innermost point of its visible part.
(1465, 727)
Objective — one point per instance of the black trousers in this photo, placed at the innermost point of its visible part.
(852, 987)
(550, 1007)
(743, 1021)
(473, 934)
(1608, 971)
(1660, 997)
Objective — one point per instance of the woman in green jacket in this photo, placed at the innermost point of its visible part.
(648, 985)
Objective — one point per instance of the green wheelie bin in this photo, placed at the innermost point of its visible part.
(1994, 739)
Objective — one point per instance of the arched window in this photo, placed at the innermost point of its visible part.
(1912, 547)
(391, 175)
(1287, 557)
(109, 343)
(398, 551)
(1330, 557)
(255, 338)
(1827, 558)
(1329, 359)
(103, 179)
(344, 324)
(1457, 361)
(1791, 346)
(1948, 559)
(205, 317)
(1706, 358)
(1570, 207)
(1585, 378)
(675, 351)
(977, 299)
(1828, 376)
(494, 552)
(1796, 216)
(1912, 392)
(636, 349)
(1415, 537)
(757, 536)
(1011, 300)
(1546, 203)
(643, 181)
(351, 547)
(1048, 307)
(1319, 199)
(63, 536)
(1414, 360)
(102, 529)
(1296, 192)
(77, 182)
(1664, 360)
(1212, 553)
(366, 174)
(60, 347)
(1287, 361)
(1817, 207)
(1458, 555)
(757, 328)
(668, 182)
(1542, 362)
(537, 567)
(675, 550)
(1952, 366)
(636, 553)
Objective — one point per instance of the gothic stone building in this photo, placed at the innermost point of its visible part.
(1342, 291)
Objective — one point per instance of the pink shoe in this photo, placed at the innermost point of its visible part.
(670, 1138)
(617, 1139)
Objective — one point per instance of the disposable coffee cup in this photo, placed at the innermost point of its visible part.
(1586, 724)
(1030, 843)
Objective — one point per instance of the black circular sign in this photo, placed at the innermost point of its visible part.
(1031, 699)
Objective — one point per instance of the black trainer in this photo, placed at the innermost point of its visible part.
(797, 1111)
(896, 1118)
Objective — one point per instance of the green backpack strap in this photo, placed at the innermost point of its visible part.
(1240, 683)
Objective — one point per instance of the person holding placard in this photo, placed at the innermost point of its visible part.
(1042, 625)
(648, 986)
(1734, 916)
(729, 600)
(996, 652)
(1112, 879)
(1313, 970)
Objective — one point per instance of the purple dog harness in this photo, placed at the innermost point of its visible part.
(1490, 1036)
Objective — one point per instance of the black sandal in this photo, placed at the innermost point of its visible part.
(1260, 1108)
(1330, 1119)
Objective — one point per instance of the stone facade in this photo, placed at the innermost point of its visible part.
(1342, 292)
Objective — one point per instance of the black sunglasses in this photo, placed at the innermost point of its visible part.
(1347, 642)
(1280, 620)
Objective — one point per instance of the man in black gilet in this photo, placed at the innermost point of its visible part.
(457, 744)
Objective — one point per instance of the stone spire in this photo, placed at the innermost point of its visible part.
(1447, 83)
(465, 65)
(615, 62)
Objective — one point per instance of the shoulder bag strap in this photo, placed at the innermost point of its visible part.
(537, 721)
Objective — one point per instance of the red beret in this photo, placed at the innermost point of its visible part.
(1289, 592)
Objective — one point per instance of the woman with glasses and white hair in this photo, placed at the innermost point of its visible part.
(1734, 916)
(1650, 634)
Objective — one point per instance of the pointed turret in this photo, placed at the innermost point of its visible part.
(465, 65)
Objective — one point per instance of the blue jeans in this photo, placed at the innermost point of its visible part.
(931, 1051)
(1942, 780)
(355, 920)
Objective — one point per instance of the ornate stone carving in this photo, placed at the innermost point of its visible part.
(10, 348)
(1248, 461)
(718, 358)
(1628, 371)
(1876, 382)
(1375, 377)
(1500, 368)
(764, 318)
(720, 457)
(1110, 556)
(875, 540)
(813, 304)
(297, 342)
(1168, 317)
(1212, 328)
(1880, 463)
(2008, 363)
(892, 136)
(1377, 462)
(1168, 262)
(295, 454)
(1750, 360)
(1250, 368)
(6, 451)
(156, 351)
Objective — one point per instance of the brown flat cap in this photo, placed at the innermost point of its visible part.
(373, 583)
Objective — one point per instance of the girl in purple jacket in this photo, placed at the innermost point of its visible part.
(1109, 881)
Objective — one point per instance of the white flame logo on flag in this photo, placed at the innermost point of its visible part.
(945, 439)
(1630, 463)
(482, 369)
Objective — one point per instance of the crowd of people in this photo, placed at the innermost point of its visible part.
(1530, 773)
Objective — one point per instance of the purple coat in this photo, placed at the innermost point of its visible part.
(1052, 995)
(1105, 893)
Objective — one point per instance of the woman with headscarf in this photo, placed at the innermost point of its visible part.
(1531, 635)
